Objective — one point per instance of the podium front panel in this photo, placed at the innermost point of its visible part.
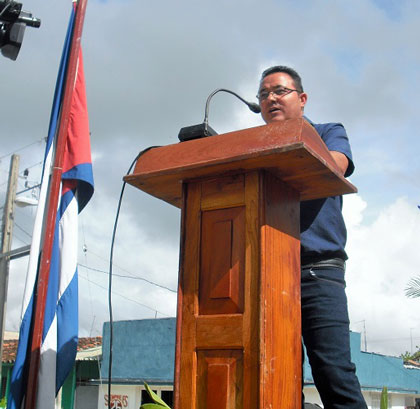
(240, 239)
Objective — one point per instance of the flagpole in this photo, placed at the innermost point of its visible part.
(55, 181)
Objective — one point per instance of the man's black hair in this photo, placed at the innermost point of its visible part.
(287, 70)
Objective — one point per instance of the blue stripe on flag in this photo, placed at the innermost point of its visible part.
(20, 369)
(84, 176)
(67, 337)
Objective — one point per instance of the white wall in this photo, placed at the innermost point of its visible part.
(312, 395)
(124, 394)
(86, 397)
(128, 396)
(373, 399)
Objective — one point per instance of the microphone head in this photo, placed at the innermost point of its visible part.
(254, 107)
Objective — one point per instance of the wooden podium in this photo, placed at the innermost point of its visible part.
(238, 342)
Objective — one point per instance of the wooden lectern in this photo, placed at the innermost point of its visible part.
(238, 342)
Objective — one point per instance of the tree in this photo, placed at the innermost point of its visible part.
(413, 288)
(411, 357)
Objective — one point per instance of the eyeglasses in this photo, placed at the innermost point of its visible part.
(278, 91)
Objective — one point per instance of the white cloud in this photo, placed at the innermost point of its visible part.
(383, 256)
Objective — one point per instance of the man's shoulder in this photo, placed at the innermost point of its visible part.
(335, 137)
(328, 127)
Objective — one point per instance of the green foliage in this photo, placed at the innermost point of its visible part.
(413, 288)
(411, 357)
(384, 398)
(158, 402)
(3, 403)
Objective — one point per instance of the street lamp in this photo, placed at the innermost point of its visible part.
(25, 201)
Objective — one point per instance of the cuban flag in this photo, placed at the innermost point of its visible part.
(60, 331)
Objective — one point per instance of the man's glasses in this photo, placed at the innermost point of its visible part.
(278, 91)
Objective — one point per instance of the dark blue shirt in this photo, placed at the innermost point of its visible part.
(323, 233)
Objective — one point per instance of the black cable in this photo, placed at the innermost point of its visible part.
(111, 257)
(5, 8)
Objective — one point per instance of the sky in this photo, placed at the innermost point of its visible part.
(149, 67)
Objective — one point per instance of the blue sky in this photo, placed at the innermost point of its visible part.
(149, 68)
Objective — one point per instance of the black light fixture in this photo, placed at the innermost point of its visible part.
(13, 21)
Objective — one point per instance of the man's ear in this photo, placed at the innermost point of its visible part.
(303, 97)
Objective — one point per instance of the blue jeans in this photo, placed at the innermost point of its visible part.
(325, 332)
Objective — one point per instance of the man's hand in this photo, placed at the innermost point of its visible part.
(341, 160)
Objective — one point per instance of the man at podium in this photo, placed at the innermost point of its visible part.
(325, 321)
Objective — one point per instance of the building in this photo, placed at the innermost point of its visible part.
(143, 350)
(74, 392)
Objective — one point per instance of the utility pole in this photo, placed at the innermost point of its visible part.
(364, 331)
(6, 242)
(411, 341)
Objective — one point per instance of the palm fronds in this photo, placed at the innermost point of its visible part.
(413, 288)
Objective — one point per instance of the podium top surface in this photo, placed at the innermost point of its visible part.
(291, 149)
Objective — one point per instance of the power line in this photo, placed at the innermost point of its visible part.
(22, 172)
(22, 148)
(32, 166)
(22, 229)
(125, 297)
(130, 277)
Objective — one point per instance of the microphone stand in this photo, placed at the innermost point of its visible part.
(204, 129)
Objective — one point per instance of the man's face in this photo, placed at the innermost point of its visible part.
(280, 107)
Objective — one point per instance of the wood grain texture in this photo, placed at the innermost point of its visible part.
(189, 287)
(177, 366)
(222, 261)
(219, 331)
(247, 357)
(281, 368)
(291, 149)
(223, 192)
(220, 373)
(251, 316)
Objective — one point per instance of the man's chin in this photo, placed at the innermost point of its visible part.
(276, 116)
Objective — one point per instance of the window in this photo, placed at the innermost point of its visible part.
(145, 398)
(168, 397)
(166, 393)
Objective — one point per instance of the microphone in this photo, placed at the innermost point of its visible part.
(203, 130)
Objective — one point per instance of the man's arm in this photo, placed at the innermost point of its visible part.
(341, 160)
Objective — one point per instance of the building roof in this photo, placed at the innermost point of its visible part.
(87, 348)
(410, 363)
(9, 350)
